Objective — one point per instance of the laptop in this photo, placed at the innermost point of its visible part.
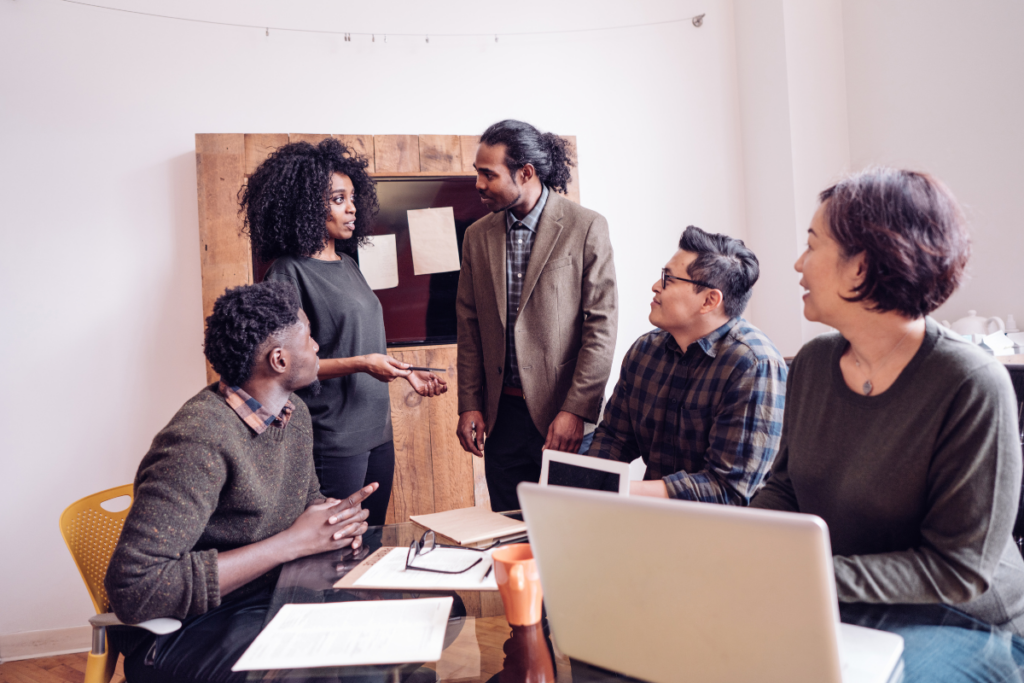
(665, 590)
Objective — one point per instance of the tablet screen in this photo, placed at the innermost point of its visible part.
(574, 476)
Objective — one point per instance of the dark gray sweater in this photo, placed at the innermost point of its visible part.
(351, 414)
(208, 483)
(918, 485)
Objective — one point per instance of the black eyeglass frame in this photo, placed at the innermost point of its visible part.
(666, 276)
(427, 543)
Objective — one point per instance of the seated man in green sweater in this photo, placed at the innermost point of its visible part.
(226, 494)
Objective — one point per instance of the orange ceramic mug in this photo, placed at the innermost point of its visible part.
(515, 572)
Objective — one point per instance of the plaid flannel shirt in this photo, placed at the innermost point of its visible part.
(707, 421)
(252, 412)
(519, 236)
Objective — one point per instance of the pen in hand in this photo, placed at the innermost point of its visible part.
(421, 369)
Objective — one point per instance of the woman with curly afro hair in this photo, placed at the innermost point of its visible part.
(306, 209)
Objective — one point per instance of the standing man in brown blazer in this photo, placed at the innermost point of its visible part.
(536, 310)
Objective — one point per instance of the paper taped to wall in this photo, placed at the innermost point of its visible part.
(378, 262)
(435, 248)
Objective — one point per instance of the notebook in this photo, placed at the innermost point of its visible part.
(665, 590)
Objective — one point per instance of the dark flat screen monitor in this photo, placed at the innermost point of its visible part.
(421, 309)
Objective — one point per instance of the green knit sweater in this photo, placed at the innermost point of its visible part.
(208, 483)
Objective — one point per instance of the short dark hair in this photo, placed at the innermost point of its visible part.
(912, 232)
(552, 156)
(724, 262)
(285, 200)
(243, 319)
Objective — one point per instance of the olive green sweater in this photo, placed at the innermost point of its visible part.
(918, 485)
(208, 483)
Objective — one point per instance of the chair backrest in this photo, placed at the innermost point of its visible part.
(91, 533)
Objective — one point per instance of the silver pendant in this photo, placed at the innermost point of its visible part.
(866, 388)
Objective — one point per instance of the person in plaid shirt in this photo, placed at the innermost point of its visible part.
(700, 399)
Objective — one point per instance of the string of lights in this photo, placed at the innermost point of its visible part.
(696, 20)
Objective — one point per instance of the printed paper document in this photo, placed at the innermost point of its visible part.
(350, 634)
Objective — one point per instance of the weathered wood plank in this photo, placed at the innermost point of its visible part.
(468, 145)
(311, 138)
(396, 153)
(259, 146)
(453, 467)
(441, 153)
(412, 492)
(362, 145)
(225, 258)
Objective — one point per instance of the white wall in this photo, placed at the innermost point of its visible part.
(99, 266)
(938, 85)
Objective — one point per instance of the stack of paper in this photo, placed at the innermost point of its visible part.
(473, 526)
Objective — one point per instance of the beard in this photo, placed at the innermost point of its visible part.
(314, 388)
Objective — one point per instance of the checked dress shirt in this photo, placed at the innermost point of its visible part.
(707, 420)
(519, 237)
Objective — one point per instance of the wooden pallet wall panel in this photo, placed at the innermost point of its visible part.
(412, 492)
(453, 467)
(440, 154)
(362, 145)
(259, 146)
(225, 258)
(311, 138)
(396, 153)
(468, 145)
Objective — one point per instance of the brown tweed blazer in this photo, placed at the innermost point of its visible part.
(565, 333)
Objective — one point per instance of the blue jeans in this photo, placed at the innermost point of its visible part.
(942, 644)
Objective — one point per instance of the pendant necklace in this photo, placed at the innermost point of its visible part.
(868, 387)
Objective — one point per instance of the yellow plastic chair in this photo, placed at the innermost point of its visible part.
(91, 532)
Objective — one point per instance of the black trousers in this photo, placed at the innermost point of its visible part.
(341, 477)
(204, 649)
(513, 453)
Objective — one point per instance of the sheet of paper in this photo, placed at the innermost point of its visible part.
(388, 571)
(378, 262)
(350, 634)
(432, 237)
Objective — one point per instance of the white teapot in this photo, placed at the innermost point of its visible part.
(976, 324)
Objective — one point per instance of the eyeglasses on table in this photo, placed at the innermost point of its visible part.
(426, 544)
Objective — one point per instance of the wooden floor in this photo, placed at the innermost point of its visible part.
(59, 669)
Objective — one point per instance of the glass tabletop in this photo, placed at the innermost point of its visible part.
(479, 644)
(940, 643)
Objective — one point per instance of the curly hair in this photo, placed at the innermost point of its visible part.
(912, 232)
(243, 319)
(285, 199)
(552, 156)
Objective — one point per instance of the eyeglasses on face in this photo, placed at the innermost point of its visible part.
(426, 544)
(666, 277)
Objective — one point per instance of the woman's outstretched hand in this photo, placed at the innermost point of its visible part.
(427, 383)
(384, 368)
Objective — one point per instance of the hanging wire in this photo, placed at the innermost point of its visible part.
(696, 20)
